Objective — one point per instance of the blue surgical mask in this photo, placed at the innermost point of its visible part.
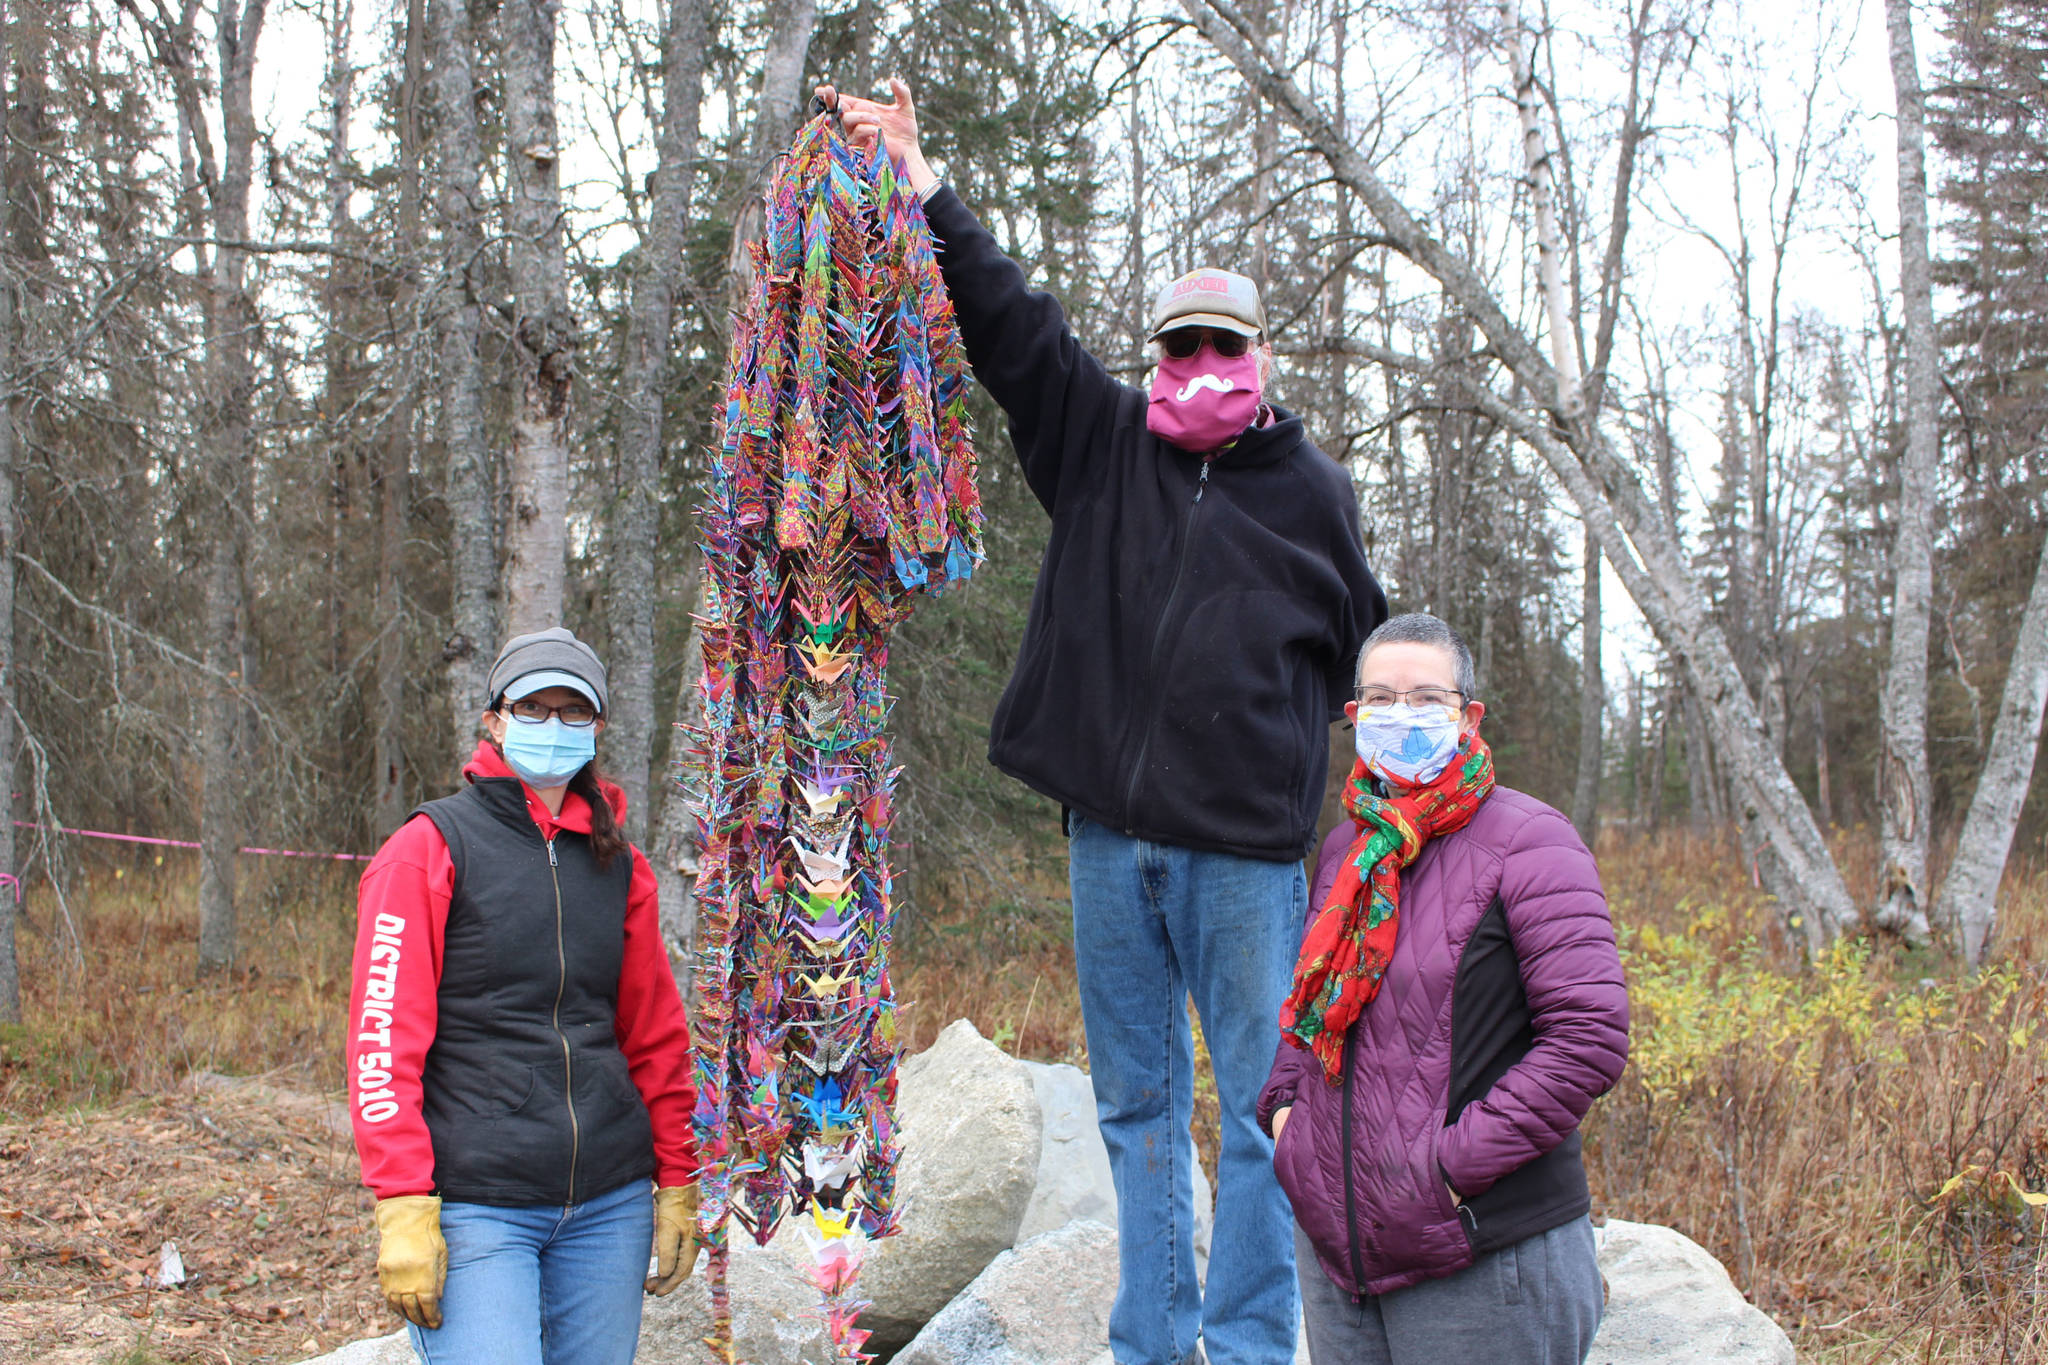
(548, 753)
(1407, 744)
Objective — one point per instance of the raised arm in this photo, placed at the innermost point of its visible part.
(1061, 402)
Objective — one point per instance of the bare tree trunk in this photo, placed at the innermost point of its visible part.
(341, 387)
(672, 843)
(1649, 792)
(1569, 400)
(1702, 790)
(1592, 704)
(230, 449)
(1969, 894)
(1907, 797)
(1569, 394)
(775, 118)
(10, 342)
(1644, 550)
(1823, 780)
(636, 520)
(473, 624)
(394, 479)
(674, 854)
(543, 330)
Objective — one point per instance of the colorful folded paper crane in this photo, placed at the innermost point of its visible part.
(843, 488)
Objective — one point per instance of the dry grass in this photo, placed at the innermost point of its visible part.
(1858, 1139)
(1855, 1139)
(127, 1012)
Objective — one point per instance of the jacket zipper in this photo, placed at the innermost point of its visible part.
(1187, 536)
(1350, 1188)
(561, 983)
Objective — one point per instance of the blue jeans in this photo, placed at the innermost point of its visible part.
(1154, 924)
(543, 1284)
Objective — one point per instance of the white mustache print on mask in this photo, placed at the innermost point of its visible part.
(1200, 382)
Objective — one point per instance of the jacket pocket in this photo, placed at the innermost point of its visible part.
(1509, 1266)
(1447, 1210)
(617, 1076)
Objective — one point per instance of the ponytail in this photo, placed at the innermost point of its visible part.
(606, 843)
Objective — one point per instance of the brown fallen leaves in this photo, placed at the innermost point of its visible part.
(256, 1183)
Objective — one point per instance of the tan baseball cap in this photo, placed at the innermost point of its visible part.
(1222, 299)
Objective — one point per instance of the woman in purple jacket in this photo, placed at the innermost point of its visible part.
(1457, 1006)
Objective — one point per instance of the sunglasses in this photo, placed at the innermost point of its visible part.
(1183, 342)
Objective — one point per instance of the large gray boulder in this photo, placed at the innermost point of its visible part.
(1073, 1165)
(1046, 1302)
(971, 1139)
(1669, 1302)
(774, 1311)
(391, 1350)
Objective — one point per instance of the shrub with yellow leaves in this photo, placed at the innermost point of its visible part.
(1862, 1138)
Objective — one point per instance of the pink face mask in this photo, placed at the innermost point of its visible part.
(1205, 400)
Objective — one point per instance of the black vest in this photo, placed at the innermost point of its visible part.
(527, 1095)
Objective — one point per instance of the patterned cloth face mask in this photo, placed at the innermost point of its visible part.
(1406, 744)
(1201, 401)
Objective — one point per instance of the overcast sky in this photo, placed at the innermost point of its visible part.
(1680, 278)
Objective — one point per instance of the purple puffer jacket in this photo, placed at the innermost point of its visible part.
(1516, 892)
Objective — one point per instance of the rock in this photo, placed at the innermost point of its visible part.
(391, 1350)
(774, 1310)
(1073, 1165)
(1670, 1302)
(971, 1144)
(1044, 1303)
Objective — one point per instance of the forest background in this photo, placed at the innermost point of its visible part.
(1687, 355)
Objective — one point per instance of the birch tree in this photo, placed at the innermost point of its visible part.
(1645, 551)
(394, 482)
(1571, 402)
(1991, 123)
(543, 329)
(472, 483)
(642, 438)
(1969, 893)
(232, 376)
(790, 25)
(10, 347)
(225, 433)
(775, 109)
(1907, 789)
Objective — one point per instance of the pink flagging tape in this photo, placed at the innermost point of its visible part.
(8, 879)
(188, 843)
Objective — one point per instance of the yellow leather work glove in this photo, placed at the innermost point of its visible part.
(675, 1237)
(412, 1260)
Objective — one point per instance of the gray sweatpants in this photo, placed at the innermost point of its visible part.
(1537, 1302)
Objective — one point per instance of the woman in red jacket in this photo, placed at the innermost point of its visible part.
(519, 1063)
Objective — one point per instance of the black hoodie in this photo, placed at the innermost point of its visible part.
(1196, 622)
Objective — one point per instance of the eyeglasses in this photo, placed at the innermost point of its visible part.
(576, 713)
(1414, 696)
(1183, 342)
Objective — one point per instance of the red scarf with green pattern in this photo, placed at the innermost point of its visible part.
(1345, 954)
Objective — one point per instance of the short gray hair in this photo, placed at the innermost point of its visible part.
(1420, 628)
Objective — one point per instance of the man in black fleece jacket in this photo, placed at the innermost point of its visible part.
(1192, 635)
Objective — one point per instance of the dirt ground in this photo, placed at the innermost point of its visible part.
(255, 1183)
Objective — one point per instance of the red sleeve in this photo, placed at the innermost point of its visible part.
(654, 1034)
(401, 915)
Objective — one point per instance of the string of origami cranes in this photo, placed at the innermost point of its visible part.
(843, 490)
